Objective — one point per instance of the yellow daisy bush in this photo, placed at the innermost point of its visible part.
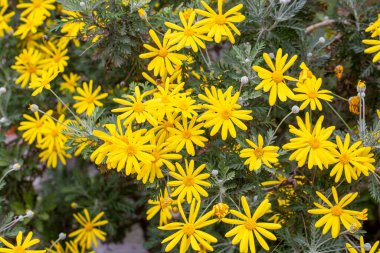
(21, 246)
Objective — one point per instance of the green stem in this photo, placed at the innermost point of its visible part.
(282, 121)
(336, 95)
(340, 117)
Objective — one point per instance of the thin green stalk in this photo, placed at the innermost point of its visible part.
(212, 201)
(340, 117)
(336, 95)
(282, 121)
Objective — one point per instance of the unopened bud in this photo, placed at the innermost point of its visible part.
(16, 166)
(321, 40)
(295, 109)
(271, 55)
(214, 173)
(62, 236)
(367, 246)
(3, 120)
(3, 90)
(29, 214)
(34, 108)
(82, 4)
(244, 80)
(309, 55)
(284, 1)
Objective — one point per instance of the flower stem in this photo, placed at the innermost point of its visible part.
(282, 121)
(336, 95)
(340, 117)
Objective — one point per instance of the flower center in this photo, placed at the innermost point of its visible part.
(167, 125)
(18, 249)
(54, 132)
(259, 152)
(336, 210)
(344, 158)
(131, 150)
(156, 156)
(163, 52)
(277, 77)
(183, 105)
(57, 58)
(250, 224)
(188, 181)
(188, 229)
(309, 74)
(312, 94)
(88, 227)
(186, 134)
(138, 107)
(32, 68)
(220, 20)
(165, 99)
(189, 32)
(90, 99)
(314, 143)
(226, 114)
(165, 202)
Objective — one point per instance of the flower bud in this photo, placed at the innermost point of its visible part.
(62, 236)
(3, 120)
(214, 173)
(34, 108)
(321, 40)
(244, 80)
(361, 86)
(367, 246)
(2, 90)
(29, 214)
(284, 1)
(221, 210)
(16, 166)
(74, 205)
(271, 55)
(82, 4)
(309, 55)
(295, 109)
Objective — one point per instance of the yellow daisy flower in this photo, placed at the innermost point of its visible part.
(248, 228)
(162, 154)
(258, 154)
(362, 247)
(223, 112)
(189, 183)
(4, 19)
(274, 79)
(30, 26)
(163, 205)
(20, 245)
(187, 134)
(162, 130)
(349, 158)
(334, 215)
(136, 109)
(39, 83)
(375, 47)
(33, 127)
(221, 210)
(70, 82)
(189, 232)
(71, 28)
(186, 106)
(72, 247)
(305, 73)
(310, 93)
(51, 156)
(37, 8)
(89, 233)
(311, 144)
(219, 24)
(88, 99)
(28, 64)
(53, 136)
(165, 98)
(163, 56)
(188, 35)
(57, 56)
(367, 164)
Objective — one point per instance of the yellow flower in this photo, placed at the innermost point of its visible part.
(53, 136)
(367, 164)
(353, 104)
(363, 215)
(39, 83)
(4, 19)
(375, 47)
(349, 159)
(188, 35)
(274, 79)
(57, 57)
(21, 246)
(28, 64)
(72, 27)
(37, 8)
(30, 26)
(259, 154)
(165, 99)
(88, 99)
(221, 210)
(374, 27)
(187, 13)
(310, 94)
(189, 232)
(163, 204)
(334, 215)
(223, 112)
(339, 71)
(72, 247)
(162, 154)
(163, 56)
(51, 156)
(248, 228)
(70, 82)
(162, 130)
(311, 144)
(186, 106)
(219, 24)
(362, 247)
(187, 135)
(189, 183)
(305, 73)
(141, 12)
(33, 127)
(89, 232)
(123, 150)
(136, 109)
